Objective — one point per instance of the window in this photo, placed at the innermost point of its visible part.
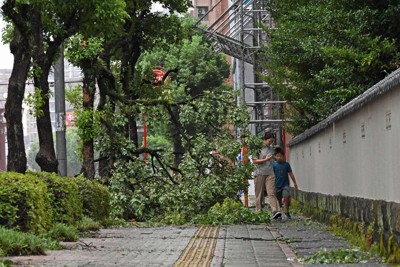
(201, 11)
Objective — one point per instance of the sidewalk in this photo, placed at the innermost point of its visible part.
(250, 245)
(305, 238)
(277, 244)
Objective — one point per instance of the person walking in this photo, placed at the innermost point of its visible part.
(264, 176)
(283, 171)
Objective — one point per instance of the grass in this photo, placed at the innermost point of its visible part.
(63, 232)
(5, 263)
(88, 224)
(14, 243)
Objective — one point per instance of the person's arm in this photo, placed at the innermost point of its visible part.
(291, 175)
(259, 161)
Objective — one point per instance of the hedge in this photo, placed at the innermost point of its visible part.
(24, 203)
(96, 199)
(65, 197)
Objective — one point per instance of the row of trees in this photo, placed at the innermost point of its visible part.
(35, 32)
(117, 44)
(325, 53)
(104, 39)
(322, 55)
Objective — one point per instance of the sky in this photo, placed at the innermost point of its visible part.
(6, 58)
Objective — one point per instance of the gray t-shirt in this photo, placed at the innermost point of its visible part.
(266, 167)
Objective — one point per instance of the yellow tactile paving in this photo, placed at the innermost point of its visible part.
(200, 249)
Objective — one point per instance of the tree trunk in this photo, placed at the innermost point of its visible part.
(88, 144)
(179, 150)
(133, 131)
(128, 64)
(105, 82)
(46, 157)
(105, 167)
(88, 160)
(16, 159)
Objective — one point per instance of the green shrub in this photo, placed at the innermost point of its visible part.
(65, 198)
(175, 218)
(229, 212)
(5, 263)
(63, 232)
(14, 243)
(232, 212)
(24, 203)
(95, 197)
(88, 224)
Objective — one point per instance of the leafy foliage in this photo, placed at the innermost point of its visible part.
(95, 198)
(39, 28)
(88, 224)
(63, 232)
(35, 101)
(325, 256)
(14, 243)
(5, 263)
(80, 49)
(322, 62)
(24, 203)
(138, 194)
(64, 197)
(232, 212)
(191, 116)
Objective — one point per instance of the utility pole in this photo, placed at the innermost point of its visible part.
(59, 94)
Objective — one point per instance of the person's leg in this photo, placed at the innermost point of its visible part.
(272, 201)
(286, 196)
(279, 196)
(259, 182)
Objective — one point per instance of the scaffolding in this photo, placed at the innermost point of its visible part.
(240, 33)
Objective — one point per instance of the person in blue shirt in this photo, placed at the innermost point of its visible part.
(283, 171)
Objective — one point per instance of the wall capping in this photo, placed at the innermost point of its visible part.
(382, 87)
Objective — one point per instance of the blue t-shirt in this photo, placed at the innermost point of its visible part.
(281, 170)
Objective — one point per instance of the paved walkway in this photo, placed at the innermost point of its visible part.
(250, 245)
(305, 238)
(277, 244)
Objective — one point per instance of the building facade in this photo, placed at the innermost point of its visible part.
(73, 77)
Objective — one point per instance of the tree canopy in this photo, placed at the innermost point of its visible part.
(322, 54)
(191, 115)
(36, 31)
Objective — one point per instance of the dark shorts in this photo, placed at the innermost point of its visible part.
(282, 193)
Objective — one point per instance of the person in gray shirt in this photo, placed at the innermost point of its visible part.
(264, 176)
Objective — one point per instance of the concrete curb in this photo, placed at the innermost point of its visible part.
(290, 254)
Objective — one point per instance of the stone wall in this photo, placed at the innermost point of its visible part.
(347, 165)
(383, 218)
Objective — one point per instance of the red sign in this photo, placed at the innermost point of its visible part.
(70, 118)
(159, 73)
(158, 78)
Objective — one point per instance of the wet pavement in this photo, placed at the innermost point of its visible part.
(305, 238)
(155, 246)
(280, 243)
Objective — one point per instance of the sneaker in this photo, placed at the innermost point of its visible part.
(276, 215)
(288, 215)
